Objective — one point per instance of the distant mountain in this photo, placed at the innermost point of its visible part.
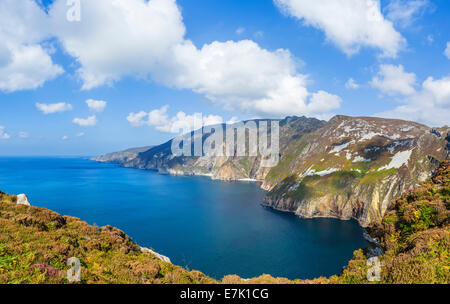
(348, 167)
(223, 168)
(122, 156)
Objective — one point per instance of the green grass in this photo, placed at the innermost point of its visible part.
(374, 176)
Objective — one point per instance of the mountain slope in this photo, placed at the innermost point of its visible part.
(349, 167)
(224, 168)
(122, 156)
(353, 167)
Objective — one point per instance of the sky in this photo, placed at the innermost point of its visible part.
(85, 77)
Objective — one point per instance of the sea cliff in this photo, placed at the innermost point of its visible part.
(35, 244)
(346, 168)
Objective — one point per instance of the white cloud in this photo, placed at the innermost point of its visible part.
(430, 105)
(439, 90)
(96, 105)
(405, 12)
(86, 122)
(65, 137)
(350, 24)
(3, 134)
(447, 50)
(23, 135)
(230, 74)
(24, 64)
(54, 107)
(28, 67)
(323, 101)
(81, 134)
(393, 80)
(138, 119)
(180, 123)
(233, 120)
(146, 39)
(119, 38)
(351, 84)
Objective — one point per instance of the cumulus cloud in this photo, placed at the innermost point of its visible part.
(86, 122)
(81, 134)
(119, 38)
(96, 105)
(231, 74)
(349, 24)
(405, 12)
(28, 67)
(447, 50)
(351, 84)
(430, 104)
(54, 107)
(146, 39)
(3, 134)
(24, 63)
(180, 123)
(393, 80)
(439, 89)
(65, 137)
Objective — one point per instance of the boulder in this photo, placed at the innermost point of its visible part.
(159, 256)
(22, 199)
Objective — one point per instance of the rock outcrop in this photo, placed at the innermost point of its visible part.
(159, 256)
(22, 199)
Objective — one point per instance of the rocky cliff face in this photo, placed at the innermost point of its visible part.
(121, 157)
(349, 167)
(353, 168)
(160, 158)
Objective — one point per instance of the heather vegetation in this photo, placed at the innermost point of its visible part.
(35, 244)
(415, 236)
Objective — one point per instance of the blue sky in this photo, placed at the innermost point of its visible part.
(398, 64)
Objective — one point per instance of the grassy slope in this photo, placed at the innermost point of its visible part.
(35, 243)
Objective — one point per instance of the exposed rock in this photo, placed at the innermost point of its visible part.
(375, 249)
(347, 168)
(160, 158)
(22, 199)
(354, 167)
(159, 256)
(122, 156)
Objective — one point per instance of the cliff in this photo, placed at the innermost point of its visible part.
(122, 156)
(348, 167)
(35, 244)
(160, 158)
(354, 167)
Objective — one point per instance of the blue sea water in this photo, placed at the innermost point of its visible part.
(216, 227)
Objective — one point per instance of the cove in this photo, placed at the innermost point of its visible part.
(215, 227)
